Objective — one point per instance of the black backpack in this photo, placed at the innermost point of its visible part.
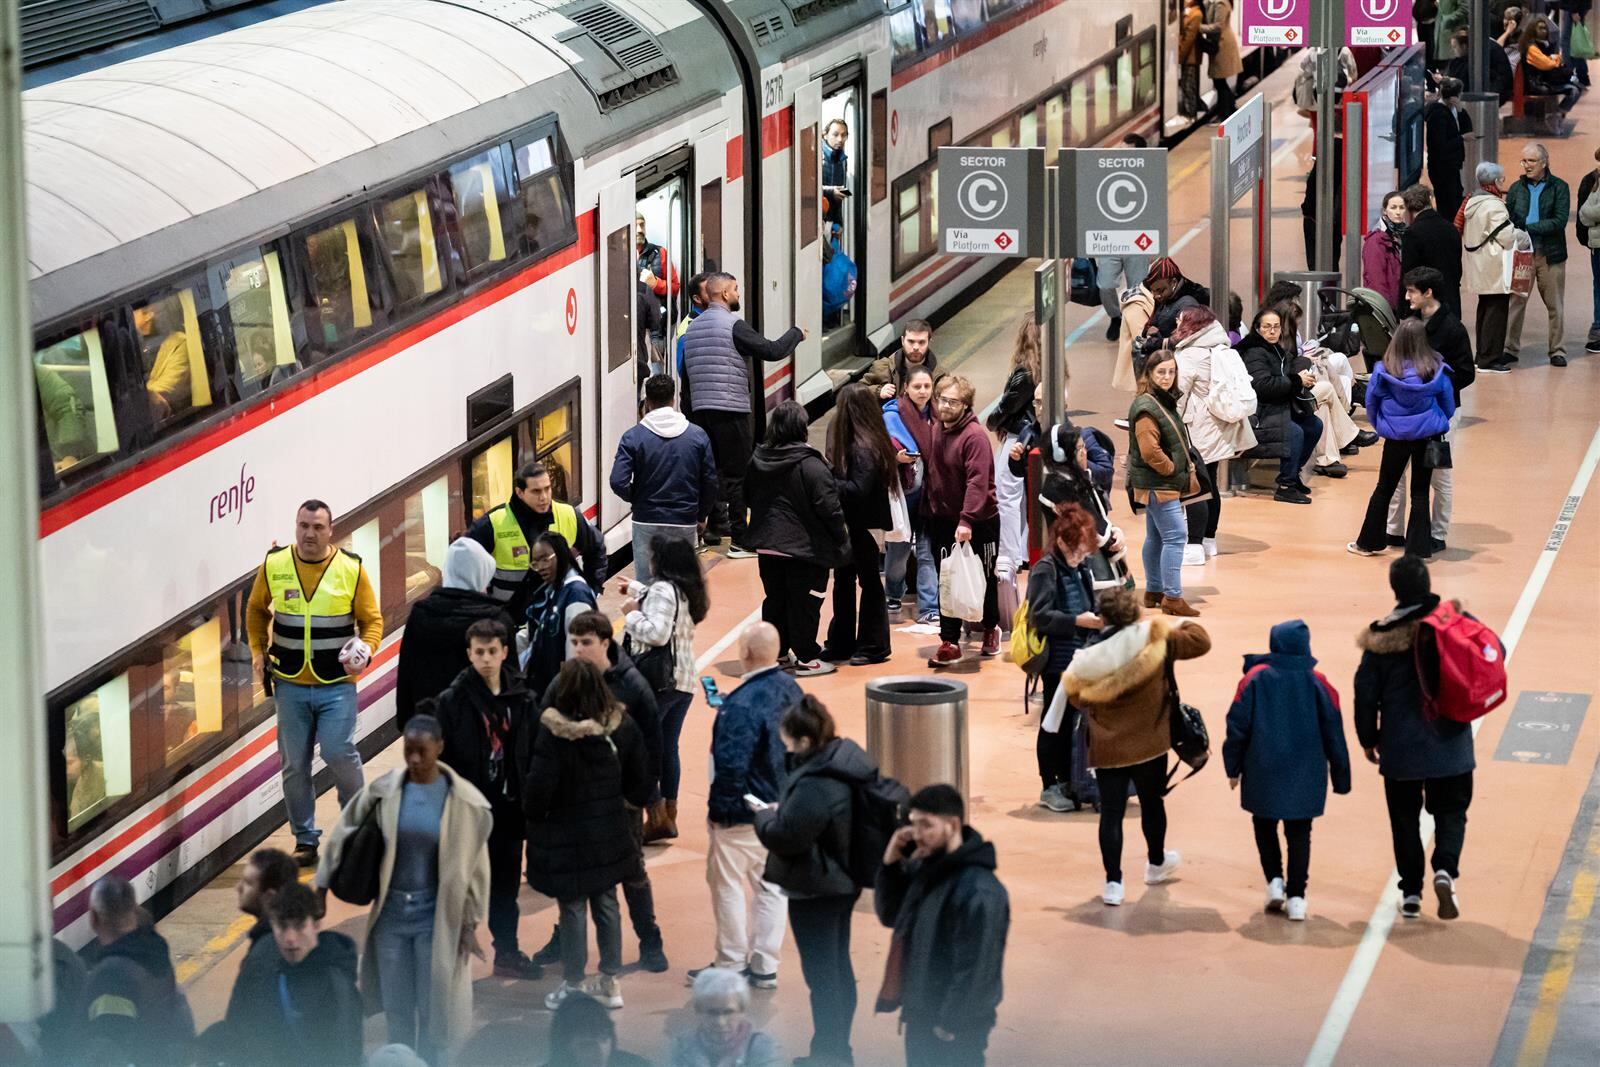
(1190, 741)
(877, 809)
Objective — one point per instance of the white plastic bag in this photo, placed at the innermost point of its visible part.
(961, 584)
(1056, 712)
(899, 530)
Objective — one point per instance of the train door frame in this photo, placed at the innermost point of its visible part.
(616, 399)
(805, 275)
(873, 205)
(842, 344)
(675, 167)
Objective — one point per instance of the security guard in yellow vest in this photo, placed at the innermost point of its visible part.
(314, 625)
(508, 531)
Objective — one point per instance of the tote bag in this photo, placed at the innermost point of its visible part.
(899, 530)
(961, 584)
(1519, 266)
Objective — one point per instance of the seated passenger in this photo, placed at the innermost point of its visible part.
(164, 348)
(723, 1031)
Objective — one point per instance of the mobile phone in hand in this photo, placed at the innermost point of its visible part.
(709, 684)
(755, 803)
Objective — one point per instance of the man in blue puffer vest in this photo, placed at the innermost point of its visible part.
(717, 350)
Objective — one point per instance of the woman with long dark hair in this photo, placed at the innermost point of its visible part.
(1009, 420)
(1380, 251)
(797, 530)
(1160, 474)
(864, 460)
(561, 596)
(1410, 401)
(658, 623)
(909, 420)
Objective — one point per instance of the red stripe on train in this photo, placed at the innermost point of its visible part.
(777, 131)
(146, 471)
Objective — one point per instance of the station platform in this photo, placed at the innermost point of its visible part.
(1193, 972)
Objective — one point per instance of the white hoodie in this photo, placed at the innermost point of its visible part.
(665, 422)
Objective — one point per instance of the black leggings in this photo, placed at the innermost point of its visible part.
(1150, 782)
(1297, 832)
(1204, 516)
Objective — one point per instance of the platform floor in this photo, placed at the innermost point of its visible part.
(1193, 972)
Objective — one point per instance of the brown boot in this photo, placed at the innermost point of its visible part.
(1152, 600)
(1176, 605)
(656, 824)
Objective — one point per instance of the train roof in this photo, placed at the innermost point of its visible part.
(142, 167)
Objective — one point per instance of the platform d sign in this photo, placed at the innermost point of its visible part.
(1279, 23)
(1113, 201)
(991, 201)
(1377, 22)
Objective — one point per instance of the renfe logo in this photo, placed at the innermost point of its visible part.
(1382, 10)
(231, 501)
(1277, 10)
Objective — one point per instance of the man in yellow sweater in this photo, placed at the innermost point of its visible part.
(314, 626)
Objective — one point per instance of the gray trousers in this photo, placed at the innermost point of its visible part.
(1443, 491)
(1110, 268)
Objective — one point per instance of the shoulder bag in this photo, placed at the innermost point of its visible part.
(1190, 741)
(659, 663)
(355, 880)
(1199, 477)
(1209, 39)
(1436, 454)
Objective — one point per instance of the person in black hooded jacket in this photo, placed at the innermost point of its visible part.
(434, 650)
(131, 995)
(1286, 428)
(481, 714)
(865, 462)
(807, 834)
(937, 890)
(798, 529)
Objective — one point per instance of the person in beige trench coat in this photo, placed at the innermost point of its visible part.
(1226, 63)
(462, 891)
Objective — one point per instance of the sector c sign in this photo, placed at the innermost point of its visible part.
(991, 201)
(1113, 201)
(1276, 22)
(1377, 22)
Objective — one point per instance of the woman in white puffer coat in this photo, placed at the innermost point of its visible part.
(1215, 400)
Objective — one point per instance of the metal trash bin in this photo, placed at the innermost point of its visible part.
(1311, 283)
(917, 730)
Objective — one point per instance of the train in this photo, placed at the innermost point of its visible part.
(383, 252)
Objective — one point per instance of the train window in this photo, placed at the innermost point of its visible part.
(75, 400)
(810, 190)
(879, 179)
(406, 225)
(366, 541)
(172, 355)
(489, 474)
(1080, 113)
(621, 282)
(1104, 116)
(966, 15)
(1145, 79)
(908, 226)
(545, 191)
(555, 442)
(338, 284)
(191, 688)
(1001, 138)
(1055, 127)
(711, 225)
(479, 191)
(1028, 129)
(905, 30)
(426, 531)
(251, 285)
(1124, 85)
(98, 751)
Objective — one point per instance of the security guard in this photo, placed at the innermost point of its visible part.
(509, 529)
(314, 625)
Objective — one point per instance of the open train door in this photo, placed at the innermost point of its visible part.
(618, 395)
(807, 273)
(875, 163)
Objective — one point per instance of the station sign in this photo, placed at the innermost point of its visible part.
(1046, 291)
(1243, 130)
(991, 201)
(1277, 23)
(1377, 22)
(1113, 201)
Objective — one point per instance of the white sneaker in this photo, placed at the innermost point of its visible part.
(1194, 555)
(1411, 907)
(1210, 545)
(1444, 887)
(606, 989)
(1112, 894)
(1154, 875)
(1296, 909)
(1275, 895)
(557, 996)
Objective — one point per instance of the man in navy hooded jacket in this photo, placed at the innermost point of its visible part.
(664, 468)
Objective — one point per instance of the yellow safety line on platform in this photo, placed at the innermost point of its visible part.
(1558, 970)
(219, 946)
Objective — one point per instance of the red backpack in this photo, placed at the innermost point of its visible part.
(1471, 678)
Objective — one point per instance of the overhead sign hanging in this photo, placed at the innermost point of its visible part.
(1113, 201)
(1278, 23)
(991, 201)
(1377, 22)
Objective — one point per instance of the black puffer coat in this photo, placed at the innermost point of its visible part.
(434, 649)
(1189, 294)
(794, 505)
(808, 834)
(1015, 410)
(863, 494)
(1390, 714)
(577, 780)
(1275, 376)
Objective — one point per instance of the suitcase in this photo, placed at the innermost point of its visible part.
(1083, 788)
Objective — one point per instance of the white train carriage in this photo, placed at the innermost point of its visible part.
(381, 252)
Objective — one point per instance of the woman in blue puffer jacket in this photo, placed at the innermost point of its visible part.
(1410, 401)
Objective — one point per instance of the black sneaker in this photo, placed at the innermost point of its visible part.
(711, 537)
(551, 953)
(516, 965)
(1350, 450)
(834, 655)
(1288, 494)
(1365, 439)
(861, 659)
(1302, 486)
(1331, 470)
(1114, 329)
(759, 980)
(1558, 361)
(696, 972)
(653, 957)
(1592, 345)
(305, 855)
(1411, 907)
(1509, 358)
(1436, 544)
(1395, 542)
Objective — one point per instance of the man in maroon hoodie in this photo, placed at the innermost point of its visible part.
(959, 502)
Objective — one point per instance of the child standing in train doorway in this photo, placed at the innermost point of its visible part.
(1285, 739)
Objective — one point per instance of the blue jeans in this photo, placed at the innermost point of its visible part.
(897, 553)
(403, 944)
(645, 532)
(1165, 532)
(674, 708)
(309, 715)
(1304, 431)
(1594, 269)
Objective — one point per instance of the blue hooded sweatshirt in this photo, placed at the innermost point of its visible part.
(1285, 736)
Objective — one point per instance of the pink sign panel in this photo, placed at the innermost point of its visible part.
(1377, 22)
(1276, 22)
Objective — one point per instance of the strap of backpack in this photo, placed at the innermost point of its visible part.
(1171, 785)
(1491, 235)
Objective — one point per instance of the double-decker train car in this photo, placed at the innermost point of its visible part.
(382, 252)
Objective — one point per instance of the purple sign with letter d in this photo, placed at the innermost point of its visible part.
(1377, 22)
(1276, 22)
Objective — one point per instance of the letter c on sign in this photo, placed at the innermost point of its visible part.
(982, 195)
(572, 312)
(1122, 196)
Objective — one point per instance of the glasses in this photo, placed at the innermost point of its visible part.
(1271, 327)
(951, 402)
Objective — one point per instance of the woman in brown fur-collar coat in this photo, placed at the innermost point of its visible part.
(1120, 684)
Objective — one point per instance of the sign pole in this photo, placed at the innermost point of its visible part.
(1049, 311)
(1264, 208)
(1327, 77)
(1354, 193)
(1221, 225)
